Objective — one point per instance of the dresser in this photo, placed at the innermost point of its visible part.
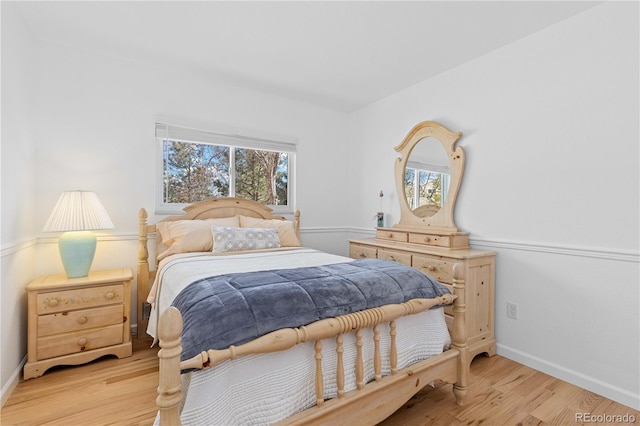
(435, 255)
(76, 320)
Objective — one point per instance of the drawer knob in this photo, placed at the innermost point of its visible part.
(390, 235)
(82, 341)
(430, 268)
(82, 320)
(362, 255)
(109, 295)
(427, 239)
(52, 302)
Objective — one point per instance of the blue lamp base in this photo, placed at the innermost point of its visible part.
(77, 249)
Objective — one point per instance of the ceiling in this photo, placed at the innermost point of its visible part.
(338, 54)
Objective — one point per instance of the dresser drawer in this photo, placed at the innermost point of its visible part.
(384, 234)
(396, 256)
(441, 270)
(430, 240)
(357, 251)
(79, 341)
(81, 298)
(64, 322)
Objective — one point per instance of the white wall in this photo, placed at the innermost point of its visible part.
(94, 123)
(551, 133)
(95, 117)
(18, 202)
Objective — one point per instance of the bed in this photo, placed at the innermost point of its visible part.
(355, 363)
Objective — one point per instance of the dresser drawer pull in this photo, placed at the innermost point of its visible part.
(427, 239)
(429, 268)
(53, 302)
(110, 295)
(82, 341)
(362, 255)
(82, 320)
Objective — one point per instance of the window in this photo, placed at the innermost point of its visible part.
(196, 165)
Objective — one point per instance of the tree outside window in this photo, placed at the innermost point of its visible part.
(194, 172)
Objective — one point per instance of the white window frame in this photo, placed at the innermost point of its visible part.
(184, 134)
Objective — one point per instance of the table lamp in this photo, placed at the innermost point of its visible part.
(76, 214)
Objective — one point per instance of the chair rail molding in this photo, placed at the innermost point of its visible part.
(568, 250)
(563, 249)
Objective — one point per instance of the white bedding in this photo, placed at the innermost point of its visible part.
(235, 392)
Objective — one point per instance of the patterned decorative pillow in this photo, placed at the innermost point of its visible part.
(226, 238)
(185, 236)
(286, 229)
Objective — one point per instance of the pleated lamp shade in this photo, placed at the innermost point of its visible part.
(76, 214)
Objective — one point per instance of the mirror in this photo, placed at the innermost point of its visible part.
(428, 177)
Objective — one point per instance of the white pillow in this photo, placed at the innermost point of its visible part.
(226, 238)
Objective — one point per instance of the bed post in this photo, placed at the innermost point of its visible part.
(169, 387)
(459, 340)
(296, 222)
(142, 284)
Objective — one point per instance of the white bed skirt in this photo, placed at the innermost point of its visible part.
(262, 389)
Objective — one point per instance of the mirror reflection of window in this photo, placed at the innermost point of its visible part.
(425, 186)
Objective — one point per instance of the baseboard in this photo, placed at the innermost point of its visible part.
(599, 387)
(11, 384)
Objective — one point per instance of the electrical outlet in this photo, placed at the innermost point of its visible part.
(512, 310)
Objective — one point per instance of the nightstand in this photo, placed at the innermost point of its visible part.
(76, 320)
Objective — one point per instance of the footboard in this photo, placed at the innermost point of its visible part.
(381, 397)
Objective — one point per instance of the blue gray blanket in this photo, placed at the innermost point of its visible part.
(233, 309)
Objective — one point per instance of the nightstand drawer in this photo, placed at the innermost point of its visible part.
(396, 256)
(79, 341)
(362, 252)
(64, 322)
(82, 298)
(441, 270)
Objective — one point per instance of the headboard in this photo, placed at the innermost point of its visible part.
(208, 209)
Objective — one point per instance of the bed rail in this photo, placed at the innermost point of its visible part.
(406, 380)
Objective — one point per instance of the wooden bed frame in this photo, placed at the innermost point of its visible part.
(369, 403)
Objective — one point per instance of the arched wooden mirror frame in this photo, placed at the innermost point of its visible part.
(442, 221)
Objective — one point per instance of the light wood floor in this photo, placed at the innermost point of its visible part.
(114, 391)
